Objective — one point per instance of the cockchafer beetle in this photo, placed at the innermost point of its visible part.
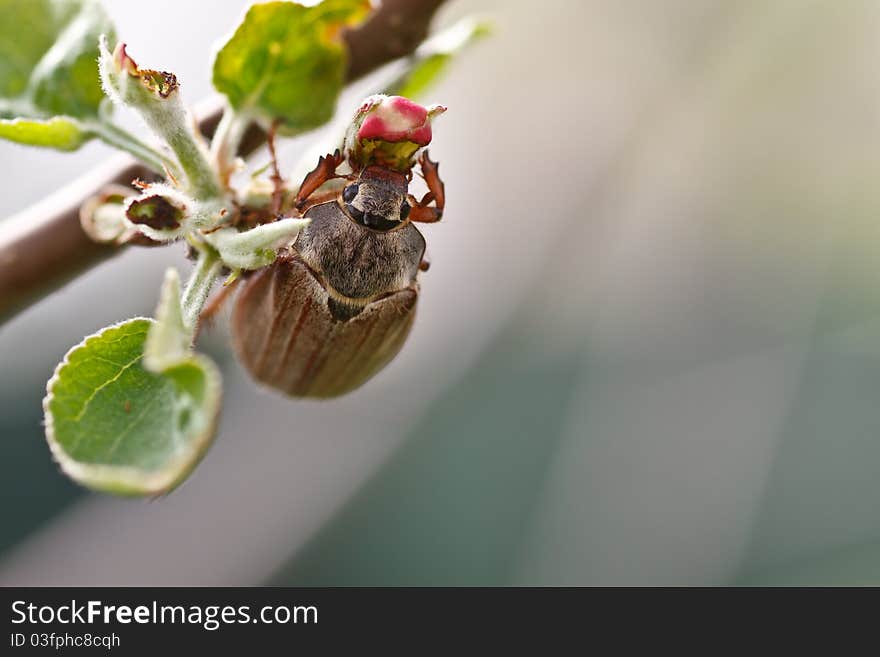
(338, 304)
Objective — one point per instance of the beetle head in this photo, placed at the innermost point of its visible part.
(378, 199)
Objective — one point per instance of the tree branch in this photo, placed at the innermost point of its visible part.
(44, 247)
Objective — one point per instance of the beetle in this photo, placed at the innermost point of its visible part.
(337, 305)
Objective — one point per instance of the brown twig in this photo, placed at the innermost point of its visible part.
(277, 180)
(44, 248)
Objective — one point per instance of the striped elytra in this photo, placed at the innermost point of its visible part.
(332, 310)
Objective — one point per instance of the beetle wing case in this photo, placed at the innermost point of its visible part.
(286, 337)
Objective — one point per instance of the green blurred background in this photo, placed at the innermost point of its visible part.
(647, 351)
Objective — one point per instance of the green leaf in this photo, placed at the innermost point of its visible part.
(256, 247)
(168, 341)
(286, 62)
(61, 132)
(50, 92)
(114, 426)
(48, 50)
(432, 58)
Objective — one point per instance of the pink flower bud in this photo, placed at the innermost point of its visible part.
(388, 131)
(395, 118)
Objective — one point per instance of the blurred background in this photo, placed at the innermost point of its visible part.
(647, 351)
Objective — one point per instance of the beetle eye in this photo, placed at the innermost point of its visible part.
(404, 210)
(349, 193)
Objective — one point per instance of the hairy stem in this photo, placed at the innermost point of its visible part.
(119, 138)
(194, 162)
(199, 286)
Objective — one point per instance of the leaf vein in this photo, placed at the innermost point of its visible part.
(106, 383)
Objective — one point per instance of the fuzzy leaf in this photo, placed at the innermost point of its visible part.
(48, 50)
(60, 132)
(114, 426)
(168, 341)
(49, 86)
(255, 247)
(287, 62)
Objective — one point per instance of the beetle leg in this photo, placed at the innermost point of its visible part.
(423, 214)
(324, 171)
(422, 211)
(436, 188)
